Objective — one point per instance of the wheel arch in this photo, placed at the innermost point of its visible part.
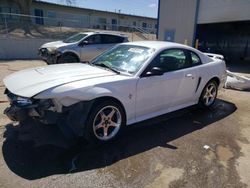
(216, 79)
(71, 54)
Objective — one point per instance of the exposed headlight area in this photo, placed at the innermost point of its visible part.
(46, 52)
(18, 100)
(51, 50)
(22, 107)
(21, 101)
(43, 52)
(50, 55)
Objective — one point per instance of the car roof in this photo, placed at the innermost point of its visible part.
(105, 33)
(159, 44)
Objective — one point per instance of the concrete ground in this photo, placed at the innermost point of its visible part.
(195, 148)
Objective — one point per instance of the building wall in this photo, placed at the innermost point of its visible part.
(177, 17)
(212, 11)
(14, 48)
(80, 17)
(60, 15)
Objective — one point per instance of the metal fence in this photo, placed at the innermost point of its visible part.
(15, 24)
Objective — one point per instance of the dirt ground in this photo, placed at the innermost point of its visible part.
(194, 148)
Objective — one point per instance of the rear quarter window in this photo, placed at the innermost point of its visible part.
(109, 39)
(195, 59)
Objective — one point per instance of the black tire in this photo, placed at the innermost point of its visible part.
(207, 99)
(96, 136)
(67, 58)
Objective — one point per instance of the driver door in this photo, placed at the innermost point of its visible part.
(157, 95)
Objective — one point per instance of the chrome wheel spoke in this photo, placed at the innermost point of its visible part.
(98, 126)
(103, 116)
(210, 89)
(111, 114)
(105, 131)
(207, 100)
(113, 124)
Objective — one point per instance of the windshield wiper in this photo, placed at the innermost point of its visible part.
(108, 67)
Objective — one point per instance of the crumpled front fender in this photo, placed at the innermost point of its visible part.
(70, 96)
(73, 119)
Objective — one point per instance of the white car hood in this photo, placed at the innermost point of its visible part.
(56, 44)
(29, 82)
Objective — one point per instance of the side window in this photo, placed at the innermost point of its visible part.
(170, 60)
(94, 39)
(109, 39)
(195, 59)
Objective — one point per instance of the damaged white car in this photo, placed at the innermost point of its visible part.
(129, 83)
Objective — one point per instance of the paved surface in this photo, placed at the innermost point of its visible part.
(197, 148)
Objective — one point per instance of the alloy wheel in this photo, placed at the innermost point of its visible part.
(210, 94)
(107, 123)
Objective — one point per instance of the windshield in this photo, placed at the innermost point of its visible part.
(124, 58)
(75, 38)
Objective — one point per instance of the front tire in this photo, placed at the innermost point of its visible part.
(67, 59)
(105, 122)
(209, 94)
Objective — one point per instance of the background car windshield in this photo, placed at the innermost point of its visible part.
(124, 58)
(75, 38)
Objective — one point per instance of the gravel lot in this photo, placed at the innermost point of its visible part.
(194, 148)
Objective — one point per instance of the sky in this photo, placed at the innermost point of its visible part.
(147, 8)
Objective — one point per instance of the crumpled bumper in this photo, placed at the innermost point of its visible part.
(50, 58)
(20, 114)
(15, 113)
(21, 108)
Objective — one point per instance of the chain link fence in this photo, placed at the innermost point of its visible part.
(18, 25)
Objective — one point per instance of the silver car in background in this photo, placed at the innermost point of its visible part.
(79, 47)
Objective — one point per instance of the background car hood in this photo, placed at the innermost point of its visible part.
(56, 44)
(30, 82)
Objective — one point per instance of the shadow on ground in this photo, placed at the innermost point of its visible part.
(33, 151)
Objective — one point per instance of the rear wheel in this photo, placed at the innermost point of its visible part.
(67, 58)
(105, 122)
(209, 94)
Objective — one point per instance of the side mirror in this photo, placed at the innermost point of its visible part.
(84, 43)
(155, 71)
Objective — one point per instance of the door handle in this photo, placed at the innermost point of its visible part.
(189, 75)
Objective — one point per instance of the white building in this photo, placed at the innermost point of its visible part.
(57, 15)
(220, 26)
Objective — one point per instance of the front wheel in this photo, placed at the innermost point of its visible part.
(67, 59)
(105, 122)
(209, 94)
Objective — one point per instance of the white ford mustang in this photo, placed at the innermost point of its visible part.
(129, 83)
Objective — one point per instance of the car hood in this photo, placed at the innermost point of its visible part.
(56, 44)
(29, 82)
